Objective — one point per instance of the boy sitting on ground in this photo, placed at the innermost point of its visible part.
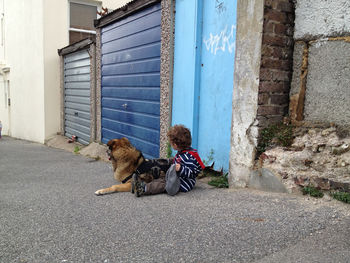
(187, 162)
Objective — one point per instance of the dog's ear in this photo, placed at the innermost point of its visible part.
(110, 144)
(124, 142)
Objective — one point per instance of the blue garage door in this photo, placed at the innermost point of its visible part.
(130, 85)
(77, 117)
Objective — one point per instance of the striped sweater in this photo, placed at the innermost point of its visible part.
(191, 166)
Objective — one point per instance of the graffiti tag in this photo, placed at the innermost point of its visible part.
(224, 40)
(220, 6)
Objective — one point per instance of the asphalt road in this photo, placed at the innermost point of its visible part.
(49, 213)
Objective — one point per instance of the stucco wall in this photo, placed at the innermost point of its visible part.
(328, 82)
(320, 87)
(55, 37)
(24, 55)
(321, 18)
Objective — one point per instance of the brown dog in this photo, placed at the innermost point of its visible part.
(125, 159)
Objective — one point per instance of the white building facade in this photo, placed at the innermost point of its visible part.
(31, 33)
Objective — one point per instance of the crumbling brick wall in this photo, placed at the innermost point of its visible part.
(276, 61)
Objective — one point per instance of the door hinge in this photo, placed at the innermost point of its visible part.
(9, 102)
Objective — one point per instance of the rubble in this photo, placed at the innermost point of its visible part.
(317, 157)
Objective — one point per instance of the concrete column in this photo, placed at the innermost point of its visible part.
(244, 132)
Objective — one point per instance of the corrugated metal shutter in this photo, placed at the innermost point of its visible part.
(77, 95)
(130, 85)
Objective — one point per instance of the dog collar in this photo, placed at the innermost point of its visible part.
(138, 170)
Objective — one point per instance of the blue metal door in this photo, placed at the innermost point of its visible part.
(205, 32)
(216, 80)
(130, 84)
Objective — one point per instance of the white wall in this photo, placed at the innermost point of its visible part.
(56, 36)
(33, 32)
(23, 54)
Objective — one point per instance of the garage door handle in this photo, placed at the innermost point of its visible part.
(125, 105)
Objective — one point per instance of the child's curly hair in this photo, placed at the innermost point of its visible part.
(181, 136)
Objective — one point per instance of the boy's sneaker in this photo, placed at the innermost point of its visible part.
(138, 186)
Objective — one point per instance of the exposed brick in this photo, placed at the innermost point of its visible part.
(270, 110)
(282, 99)
(275, 75)
(275, 15)
(269, 86)
(285, 6)
(265, 121)
(269, 27)
(276, 52)
(267, 51)
(276, 63)
(281, 29)
(287, 53)
(275, 87)
(263, 98)
(277, 40)
(277, 28)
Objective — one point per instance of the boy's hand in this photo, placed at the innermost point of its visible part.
(177, 167)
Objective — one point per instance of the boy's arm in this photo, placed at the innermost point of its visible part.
(189, 167)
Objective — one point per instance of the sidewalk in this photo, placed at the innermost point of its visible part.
(49, 213)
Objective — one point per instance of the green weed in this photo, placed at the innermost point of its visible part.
(312, 191)
(169, 152)
(277, 134)
(220, 181)
(210, 158)
(76, 149)
(341, 196)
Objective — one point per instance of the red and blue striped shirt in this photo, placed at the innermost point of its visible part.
(191, 166)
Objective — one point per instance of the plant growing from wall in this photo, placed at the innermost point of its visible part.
(275, 135)
(169, 151)
(210, 158)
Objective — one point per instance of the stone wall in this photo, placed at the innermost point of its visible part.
(309, 71)
(319, 101)
(320, 90)
(318, 156)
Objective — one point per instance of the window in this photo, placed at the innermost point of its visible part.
(81, 21)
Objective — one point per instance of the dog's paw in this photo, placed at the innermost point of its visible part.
(99, 192)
